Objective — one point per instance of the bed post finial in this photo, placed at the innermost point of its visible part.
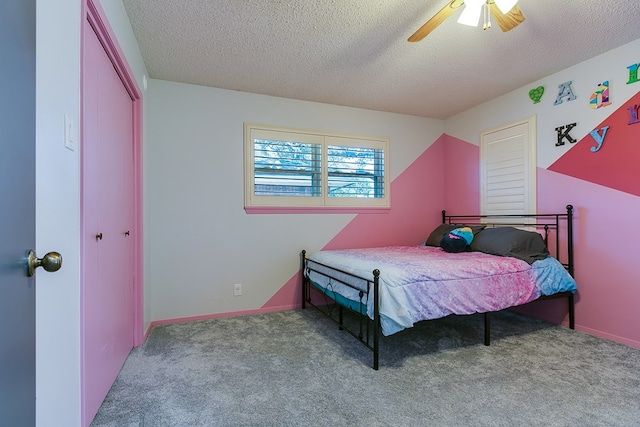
(303, 262)
(444, 215)
(570, 265)
(377, 326)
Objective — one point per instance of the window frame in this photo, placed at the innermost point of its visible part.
(323, 203)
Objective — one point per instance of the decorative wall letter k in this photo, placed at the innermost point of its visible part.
(563, 133)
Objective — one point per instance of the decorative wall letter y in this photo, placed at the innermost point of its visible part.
(600, 98)
(598, 138)
(563, 132)
(564, 91)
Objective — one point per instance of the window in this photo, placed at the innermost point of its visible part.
(287, 168)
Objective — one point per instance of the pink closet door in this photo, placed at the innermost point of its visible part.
(108, 220)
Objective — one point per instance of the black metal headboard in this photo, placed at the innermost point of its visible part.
(550, 224)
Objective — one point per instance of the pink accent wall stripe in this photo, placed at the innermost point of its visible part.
(461, 177)
(614, 165)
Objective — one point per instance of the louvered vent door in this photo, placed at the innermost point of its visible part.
(508, 169)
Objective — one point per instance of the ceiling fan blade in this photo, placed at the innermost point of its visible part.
(507, 21)
(437, 19)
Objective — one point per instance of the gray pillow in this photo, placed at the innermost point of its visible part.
(510, 241)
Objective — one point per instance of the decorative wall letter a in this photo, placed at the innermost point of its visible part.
(564, 91)
(563, 133)
(600, 98)
(633, 73)
(598, 138)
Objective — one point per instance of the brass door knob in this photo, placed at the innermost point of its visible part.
(51, 262)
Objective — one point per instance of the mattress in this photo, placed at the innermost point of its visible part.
(424, 282)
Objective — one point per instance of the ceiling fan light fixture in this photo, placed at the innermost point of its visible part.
(507, 21)
(471, 13)
(505, 5)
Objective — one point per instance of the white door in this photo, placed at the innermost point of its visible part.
(17, 212)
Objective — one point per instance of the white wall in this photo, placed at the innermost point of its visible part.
(200, 241)
(57, 213)
(516, 105)
(119, 22)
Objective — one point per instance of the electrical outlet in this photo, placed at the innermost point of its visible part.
(237, 289)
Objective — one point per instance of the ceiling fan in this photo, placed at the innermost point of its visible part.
(506, 13)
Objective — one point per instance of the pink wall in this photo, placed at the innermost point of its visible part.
(605, 253)
(461, 177)
(605, 248)
(615, 164)
(605, 236)
(604, 187)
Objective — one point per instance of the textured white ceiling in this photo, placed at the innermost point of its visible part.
(355, 53)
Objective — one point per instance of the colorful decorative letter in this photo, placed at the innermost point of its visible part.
(598, 138)
(633, 114)
(633, 73)
(600, 98)
(536, 94)
(565, 91)
(563, 133)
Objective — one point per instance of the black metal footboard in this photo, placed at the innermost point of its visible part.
(368, 330)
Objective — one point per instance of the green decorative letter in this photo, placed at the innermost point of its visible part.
(633, 73)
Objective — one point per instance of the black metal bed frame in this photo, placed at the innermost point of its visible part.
(368, 330)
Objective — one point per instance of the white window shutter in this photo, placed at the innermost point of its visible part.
(508, 169)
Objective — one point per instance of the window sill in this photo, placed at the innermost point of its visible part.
(314, 210)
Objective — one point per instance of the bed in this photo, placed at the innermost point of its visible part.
(512, 260)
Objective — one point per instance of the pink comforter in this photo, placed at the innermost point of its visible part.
(423, 282)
